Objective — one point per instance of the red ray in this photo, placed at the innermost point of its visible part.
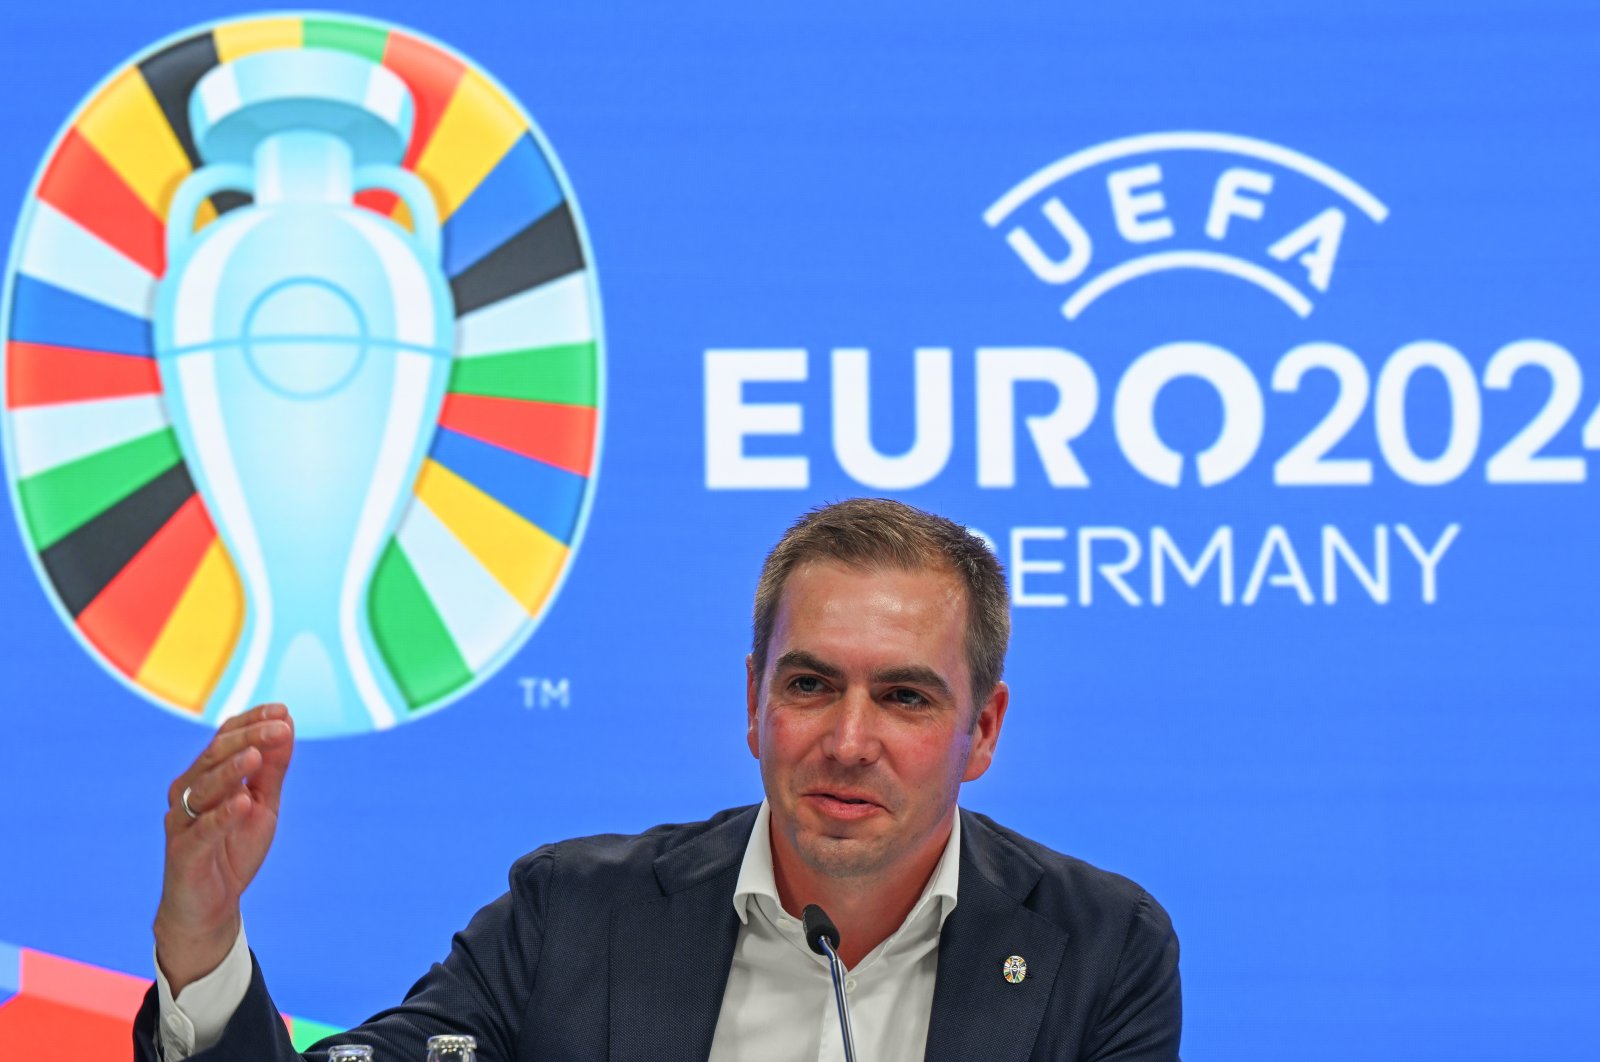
(39, 374)
(125, 619)
(432, 76)
(83, 186)
(558, 435)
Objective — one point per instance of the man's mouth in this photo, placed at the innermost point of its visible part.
(843, 804)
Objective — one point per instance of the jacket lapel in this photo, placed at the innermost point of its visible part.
(670, 954)
(977, 1013)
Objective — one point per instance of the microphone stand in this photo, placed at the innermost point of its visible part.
(836, 967)
(823, 937)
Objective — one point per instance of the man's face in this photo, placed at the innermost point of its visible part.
(863, 719)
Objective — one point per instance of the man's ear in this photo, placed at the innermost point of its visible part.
(986, 731)
(752, 703)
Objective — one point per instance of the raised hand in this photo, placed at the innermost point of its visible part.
(216, 844)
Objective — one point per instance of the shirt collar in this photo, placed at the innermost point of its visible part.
(756, 878)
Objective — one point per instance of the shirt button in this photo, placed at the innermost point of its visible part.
(850, 985)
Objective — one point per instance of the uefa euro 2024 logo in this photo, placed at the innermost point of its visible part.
(1298, 258)
(302, 373)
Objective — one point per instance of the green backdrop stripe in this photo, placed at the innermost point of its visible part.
(563, 374)
(366, 41)
(410, 633)
(303, 1033)
(62, 499)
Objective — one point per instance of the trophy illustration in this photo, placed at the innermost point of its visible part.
(304, 346)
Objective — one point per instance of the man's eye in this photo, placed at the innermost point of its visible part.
(805, 684)
(907, 698)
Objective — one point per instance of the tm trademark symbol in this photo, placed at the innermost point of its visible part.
(546, 693)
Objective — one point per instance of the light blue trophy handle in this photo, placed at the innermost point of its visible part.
(414, 194)
(196, 189)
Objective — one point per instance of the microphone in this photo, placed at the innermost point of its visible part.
(819, 927)
(823, 938)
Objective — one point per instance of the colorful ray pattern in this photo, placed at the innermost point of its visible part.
(52, 1007)
(106, 500)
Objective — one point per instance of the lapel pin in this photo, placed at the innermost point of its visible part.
(1014, 969)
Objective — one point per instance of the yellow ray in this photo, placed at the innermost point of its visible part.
(125, 125)
(521, 557)
(478, 127)
(256, 35)
(194, 647)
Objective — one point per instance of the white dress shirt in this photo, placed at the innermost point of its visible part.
(206, 1004)
(778, 1003)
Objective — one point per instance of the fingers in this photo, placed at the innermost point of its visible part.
(253, 747)
(226, 744)
(215, 821)
(187, 837)
(221, 781)
(261, 713)
(211, 823)
(267, 781)
(225, 747)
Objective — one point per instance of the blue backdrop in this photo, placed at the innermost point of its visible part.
(1351, 748)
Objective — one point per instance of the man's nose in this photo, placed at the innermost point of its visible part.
(853, 738)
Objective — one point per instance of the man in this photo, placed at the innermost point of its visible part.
(873, 692)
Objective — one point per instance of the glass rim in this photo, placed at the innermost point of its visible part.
(452, 1040)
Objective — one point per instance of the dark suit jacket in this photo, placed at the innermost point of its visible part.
(618, 948)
